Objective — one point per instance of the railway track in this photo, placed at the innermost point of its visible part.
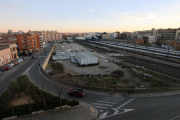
(154, 65)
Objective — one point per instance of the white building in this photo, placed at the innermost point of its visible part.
(153, 34)
(113, 35)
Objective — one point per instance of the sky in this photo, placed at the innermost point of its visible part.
(88, 15)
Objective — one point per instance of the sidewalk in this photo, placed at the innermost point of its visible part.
(86, 112)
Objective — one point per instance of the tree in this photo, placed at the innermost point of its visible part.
(28, 91)
(10, 94)
(61, 81)
(41, 94)
(20, 84)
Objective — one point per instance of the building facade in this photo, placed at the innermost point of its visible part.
(126, 35)
(8, 53)
(177, 35)
(168, 34)
(105, 35)
(28, 43)
(5, 56)
(153, 34)
(114, 35)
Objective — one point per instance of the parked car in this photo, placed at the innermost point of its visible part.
(24, 58)
(24, 54)
(32, 57)
(1, 71)
(20, 60)
(7, 68)
(15, 62)
(77, 92)
(11, 64)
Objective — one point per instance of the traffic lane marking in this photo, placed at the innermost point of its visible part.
(102, 104)
(125, 103)
(92, 110)
(107, 102)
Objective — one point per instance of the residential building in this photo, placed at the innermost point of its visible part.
(153, 34)
(28, 43)
(14, 33)
(177, 35)
(126, 35)
(8, 38)
(168, 34)
(5, 56)
(134, 35)
(114, 35)
(105, 35)
(8, 53)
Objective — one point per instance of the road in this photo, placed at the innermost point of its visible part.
(109, 106)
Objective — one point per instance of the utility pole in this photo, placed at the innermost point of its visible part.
(137, 59)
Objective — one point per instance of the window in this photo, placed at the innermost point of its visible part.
(22, 40)
(33, 38)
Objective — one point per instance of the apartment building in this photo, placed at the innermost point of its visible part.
(151, 34)
(169, 34)
(177, 35)
(126, 35)
(7, 38)
(28, 43)
(114, 35)
(8, 53)
(105, 35)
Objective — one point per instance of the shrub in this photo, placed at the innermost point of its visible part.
(126, 80)
(73, 103)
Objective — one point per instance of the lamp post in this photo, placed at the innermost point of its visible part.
(134, 81)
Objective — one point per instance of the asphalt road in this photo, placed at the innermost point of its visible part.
(110, 107)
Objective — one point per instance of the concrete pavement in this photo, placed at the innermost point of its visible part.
(85, 112)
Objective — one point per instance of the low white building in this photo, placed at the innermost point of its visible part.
(151, 39)
(85, 58)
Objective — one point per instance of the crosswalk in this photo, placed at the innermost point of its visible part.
(107, 103)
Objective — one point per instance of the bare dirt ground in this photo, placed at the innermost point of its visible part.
(21, 100)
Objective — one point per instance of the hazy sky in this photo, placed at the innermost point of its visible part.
(89, 15)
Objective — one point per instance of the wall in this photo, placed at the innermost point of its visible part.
(138, 41)
(47, 59)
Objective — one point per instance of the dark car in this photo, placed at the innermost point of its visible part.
(24, 58)
(7, 68)
(77, 92)
(24, 54)
(1, 71)
(32, 57)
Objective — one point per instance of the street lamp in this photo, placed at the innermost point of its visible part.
(134, 81)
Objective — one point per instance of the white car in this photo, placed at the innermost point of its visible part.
(20, 60)
(10, 65)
